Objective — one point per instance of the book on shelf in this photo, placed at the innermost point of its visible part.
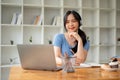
(17, 18)
(38, 20)
(56, 20)
(14, 18)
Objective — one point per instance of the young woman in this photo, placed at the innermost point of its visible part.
(73, 41)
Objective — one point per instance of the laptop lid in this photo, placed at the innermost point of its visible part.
(33, 56)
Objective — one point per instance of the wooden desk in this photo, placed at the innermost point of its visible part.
(17, 73)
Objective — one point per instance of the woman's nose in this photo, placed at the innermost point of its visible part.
(71, 23)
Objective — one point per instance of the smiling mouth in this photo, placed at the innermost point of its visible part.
(71, 28)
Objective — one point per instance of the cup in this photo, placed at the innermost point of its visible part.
(68, 64)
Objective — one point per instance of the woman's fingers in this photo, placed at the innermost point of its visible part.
(78, 61)
(74, 35)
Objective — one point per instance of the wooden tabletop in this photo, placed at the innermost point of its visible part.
(17, 73)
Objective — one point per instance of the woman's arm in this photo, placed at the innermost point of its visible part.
(58, 55)
(81, 53)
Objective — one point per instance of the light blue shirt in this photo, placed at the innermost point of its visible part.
(60, 41)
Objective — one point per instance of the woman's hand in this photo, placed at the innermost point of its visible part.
(79, 59)
(74, 36)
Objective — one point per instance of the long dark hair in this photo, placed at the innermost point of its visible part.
(80, 32)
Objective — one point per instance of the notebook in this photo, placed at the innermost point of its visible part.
(39, 57)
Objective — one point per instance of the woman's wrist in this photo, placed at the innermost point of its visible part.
(80, 46)
(79, 41)
(80, 52)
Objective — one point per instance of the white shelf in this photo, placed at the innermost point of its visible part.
(56, 3)
(33, 5)
(7, 13)
(34, 32)
(118, 50)
(11, 65)
(11, 4)
(92, 33)
(118, 18)
(14, 34)
(118, 33)
(32, 2)
(107, 18)
(12, 1)
(30, 13)
(90, 17)
(106, 52)
(48, 19)
(90, 3)
(108, 4)
(68, 3)
(93, 55)
(118, 43)
(105, 36)
(100, 21)
(9, 53)
(50, 32)
(118, 4)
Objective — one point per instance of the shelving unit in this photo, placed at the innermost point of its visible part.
(100, 21)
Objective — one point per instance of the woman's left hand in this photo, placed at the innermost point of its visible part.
(78, 59)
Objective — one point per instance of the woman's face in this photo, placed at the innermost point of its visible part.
(72, 24)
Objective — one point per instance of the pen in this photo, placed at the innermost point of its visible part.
(72, 51)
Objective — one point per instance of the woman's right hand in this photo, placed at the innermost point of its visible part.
(75, 36)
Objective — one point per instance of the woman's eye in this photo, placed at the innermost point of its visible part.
(74, 21)
(67, 21)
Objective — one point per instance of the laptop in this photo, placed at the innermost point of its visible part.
(39, 57)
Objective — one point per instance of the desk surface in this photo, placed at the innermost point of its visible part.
(17, 73)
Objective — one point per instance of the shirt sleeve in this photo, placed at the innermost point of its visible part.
(57, 40)
(87, 45)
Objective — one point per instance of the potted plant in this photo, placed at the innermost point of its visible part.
(50, 41)
(118, 40)
(88, 38)
(30, 39)
(11, 42)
